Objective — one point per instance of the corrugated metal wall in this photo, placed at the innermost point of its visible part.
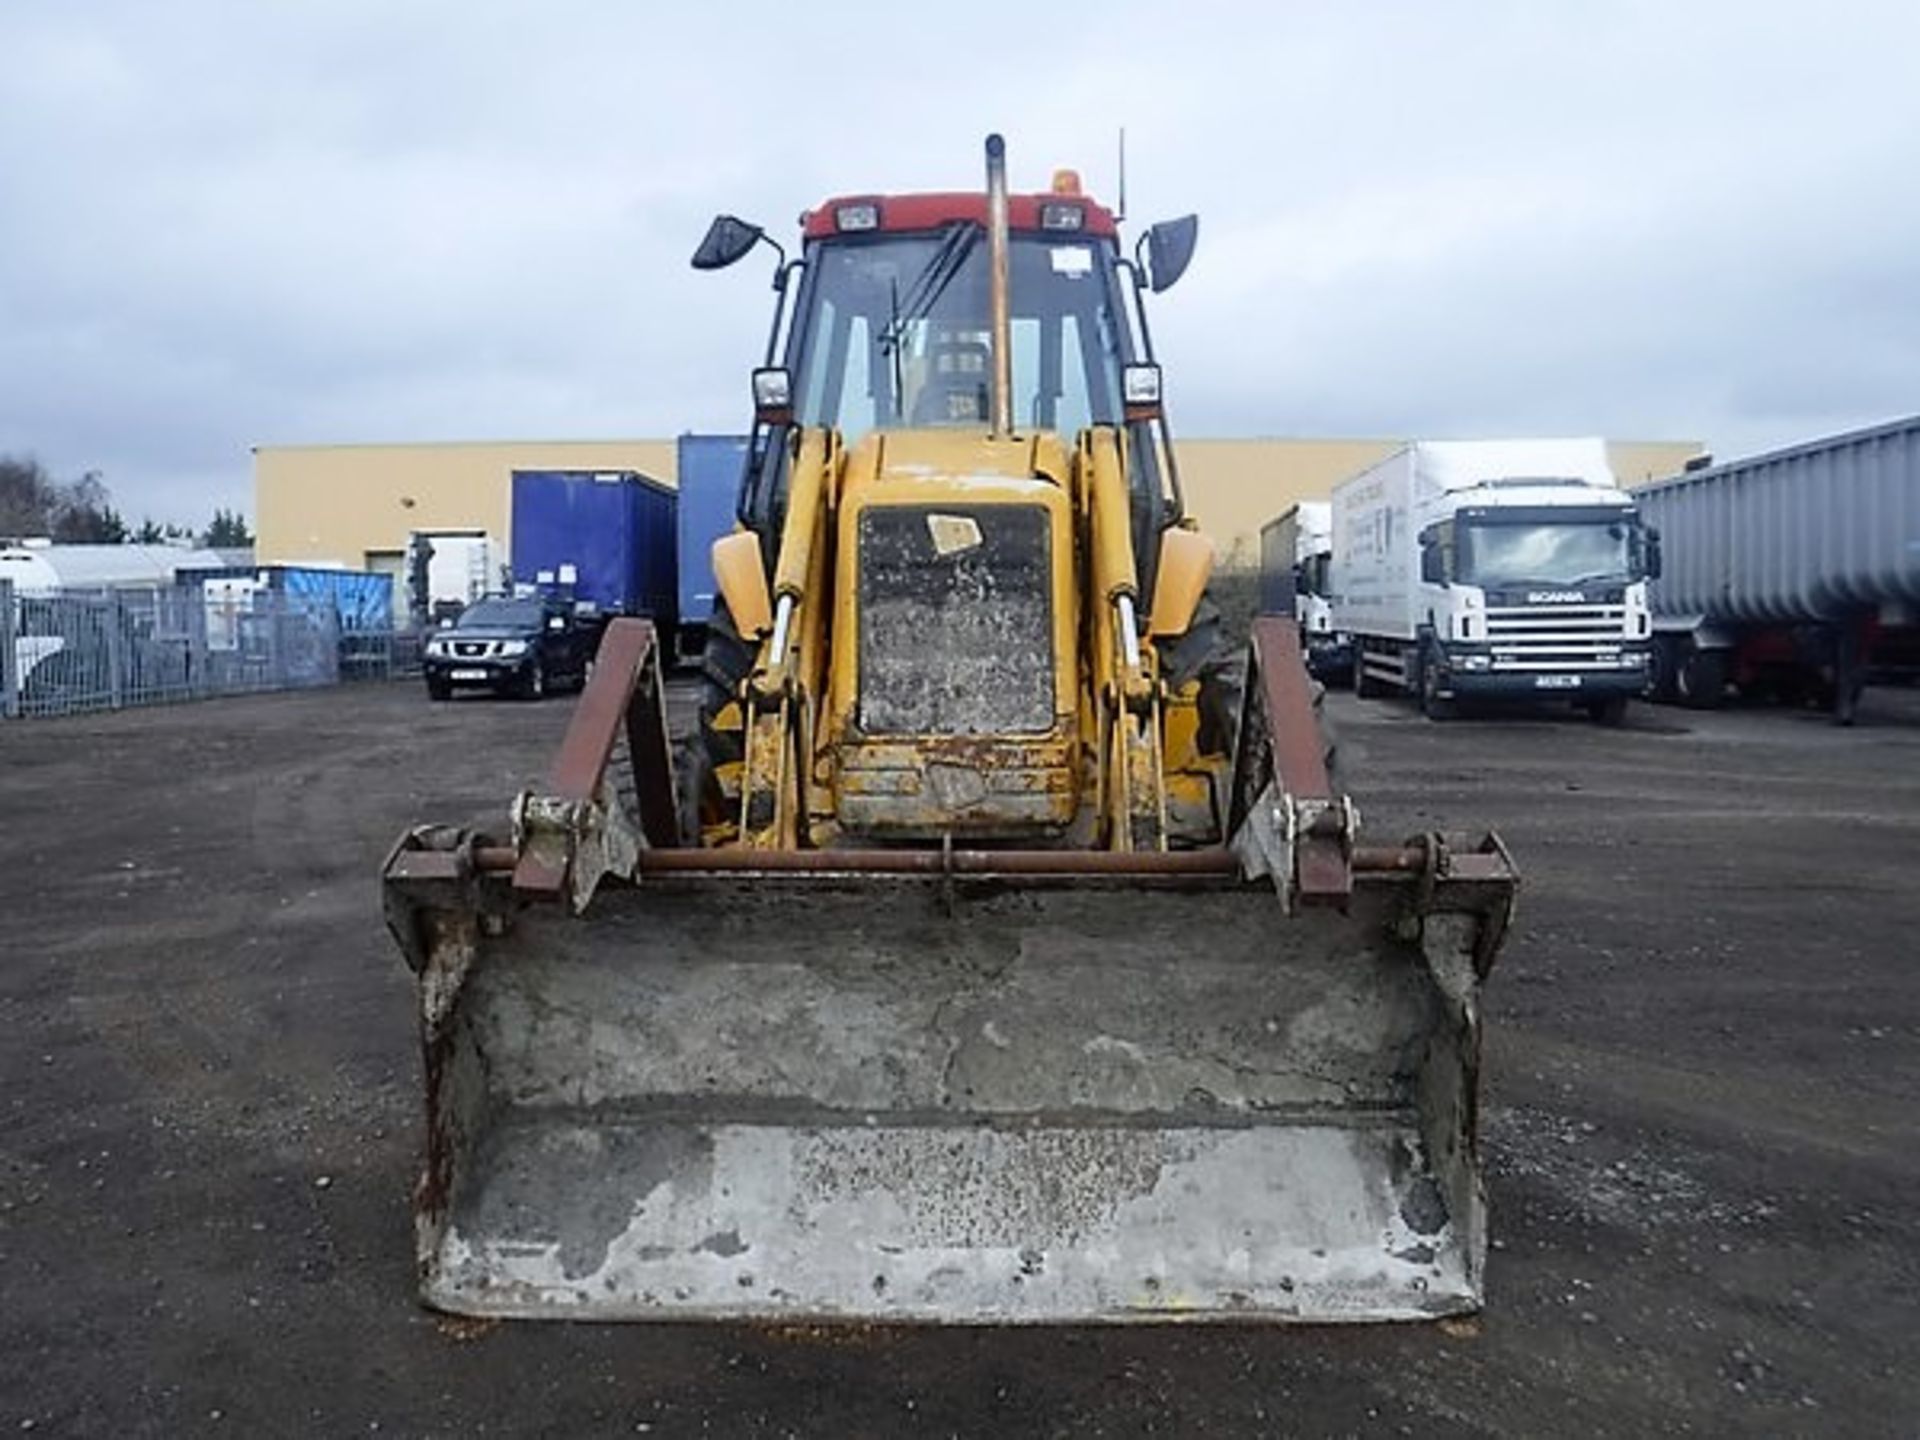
(1810, 533)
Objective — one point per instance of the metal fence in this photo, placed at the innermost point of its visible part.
(70, 653)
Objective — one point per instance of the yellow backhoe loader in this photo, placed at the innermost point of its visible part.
(998, 949)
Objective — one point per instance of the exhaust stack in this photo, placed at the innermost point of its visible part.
(999, 302)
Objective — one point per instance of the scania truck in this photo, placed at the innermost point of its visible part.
(1296, 550)
(1494, 569)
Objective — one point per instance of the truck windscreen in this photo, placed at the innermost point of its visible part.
(1587, 552)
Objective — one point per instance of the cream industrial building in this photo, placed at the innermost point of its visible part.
(355, 504)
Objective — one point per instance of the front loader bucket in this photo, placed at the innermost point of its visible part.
(972, 1098)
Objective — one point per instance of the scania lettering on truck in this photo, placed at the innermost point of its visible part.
(1494, 569)
(1296, 550)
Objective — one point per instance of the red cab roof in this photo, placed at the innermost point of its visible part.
(930, 212)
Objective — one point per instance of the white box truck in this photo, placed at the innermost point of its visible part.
(1296, 549)
(1498, 569)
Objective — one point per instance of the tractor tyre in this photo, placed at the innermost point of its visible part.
(1205, 652)
(725, 661)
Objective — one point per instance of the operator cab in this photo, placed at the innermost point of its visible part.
(891, 329)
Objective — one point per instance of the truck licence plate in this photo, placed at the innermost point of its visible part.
(471, 675)
(1556, 682)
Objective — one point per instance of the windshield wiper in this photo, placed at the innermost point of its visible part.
(929, 284)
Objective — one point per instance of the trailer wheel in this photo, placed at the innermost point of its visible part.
(1700, 679)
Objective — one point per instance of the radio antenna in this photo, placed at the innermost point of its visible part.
(1121, 213)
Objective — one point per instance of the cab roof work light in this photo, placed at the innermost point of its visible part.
(860, 215)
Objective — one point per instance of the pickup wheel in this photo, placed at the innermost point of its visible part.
(439, 690)
(534, 686)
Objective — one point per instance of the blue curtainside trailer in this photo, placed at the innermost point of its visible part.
(603, 538)
(710, 471)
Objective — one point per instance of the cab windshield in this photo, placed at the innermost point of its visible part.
(896, 333)
(1592, 552)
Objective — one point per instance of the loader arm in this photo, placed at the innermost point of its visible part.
(780, 703)
(1124, 683)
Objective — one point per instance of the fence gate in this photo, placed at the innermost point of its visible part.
(74, 652)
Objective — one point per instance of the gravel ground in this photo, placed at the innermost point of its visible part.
(1703, 1063)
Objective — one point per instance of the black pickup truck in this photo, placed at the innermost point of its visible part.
(523, 647)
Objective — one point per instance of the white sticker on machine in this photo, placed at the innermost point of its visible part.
(953, 533)
(1072, 260)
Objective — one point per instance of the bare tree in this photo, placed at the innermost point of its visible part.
(27, 497)
(76, 512)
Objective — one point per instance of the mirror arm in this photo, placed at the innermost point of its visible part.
(747, 504)
(780, 278)
(1132, 267)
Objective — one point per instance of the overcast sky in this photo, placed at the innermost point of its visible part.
(367, 220)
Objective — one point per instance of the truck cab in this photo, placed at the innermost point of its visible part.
(1296, 578)
(1499, 570)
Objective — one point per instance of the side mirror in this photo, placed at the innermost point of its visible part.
(1432, 566)
(727, 239)
(1653, 554)
(1170, 250)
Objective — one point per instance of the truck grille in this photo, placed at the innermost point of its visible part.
(956, 620)
(1556, 637)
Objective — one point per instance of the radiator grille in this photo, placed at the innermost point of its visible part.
(1561, 637)
(956, 620)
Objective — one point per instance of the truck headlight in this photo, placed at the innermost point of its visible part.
(1474, 662)
(511, 648)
